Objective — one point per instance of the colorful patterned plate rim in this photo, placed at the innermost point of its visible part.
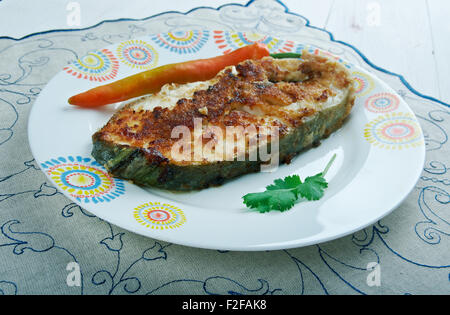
(380, 154)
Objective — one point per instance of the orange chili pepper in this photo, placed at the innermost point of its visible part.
(151, 81)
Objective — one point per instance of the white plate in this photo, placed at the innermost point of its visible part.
(380, 153)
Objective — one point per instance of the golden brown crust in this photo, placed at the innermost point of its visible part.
(257, 89)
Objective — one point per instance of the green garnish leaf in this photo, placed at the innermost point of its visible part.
(286, 183)
(282, 199)
(284, 193)
(313, 187)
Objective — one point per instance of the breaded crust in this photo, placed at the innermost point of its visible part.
(306, 99)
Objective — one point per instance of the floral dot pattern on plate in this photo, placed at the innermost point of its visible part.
(137, 54)
(84, 179)
(98, 66)
(159, 216)
(228, 41)
(333, 56)
(382, 103)
(394, 131)
(299, 48)
(182, 42)
(363, 83)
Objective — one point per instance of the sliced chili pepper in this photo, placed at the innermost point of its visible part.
(151, 81)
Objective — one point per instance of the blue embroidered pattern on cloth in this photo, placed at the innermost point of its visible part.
(42, 232)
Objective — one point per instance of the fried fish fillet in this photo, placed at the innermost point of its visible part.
(304, 100)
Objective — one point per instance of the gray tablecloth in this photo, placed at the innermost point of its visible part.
(45, 239)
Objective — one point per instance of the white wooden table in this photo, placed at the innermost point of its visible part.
(408, 37)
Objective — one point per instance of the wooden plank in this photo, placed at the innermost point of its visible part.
(317, 12)
(439, 12)
(394, 35)
(38, 16)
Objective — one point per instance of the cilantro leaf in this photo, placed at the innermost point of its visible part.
(313, 187)
(288, 182)
(284, 193)
(281, 199)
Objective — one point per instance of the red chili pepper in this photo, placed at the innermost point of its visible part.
(151, 81)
